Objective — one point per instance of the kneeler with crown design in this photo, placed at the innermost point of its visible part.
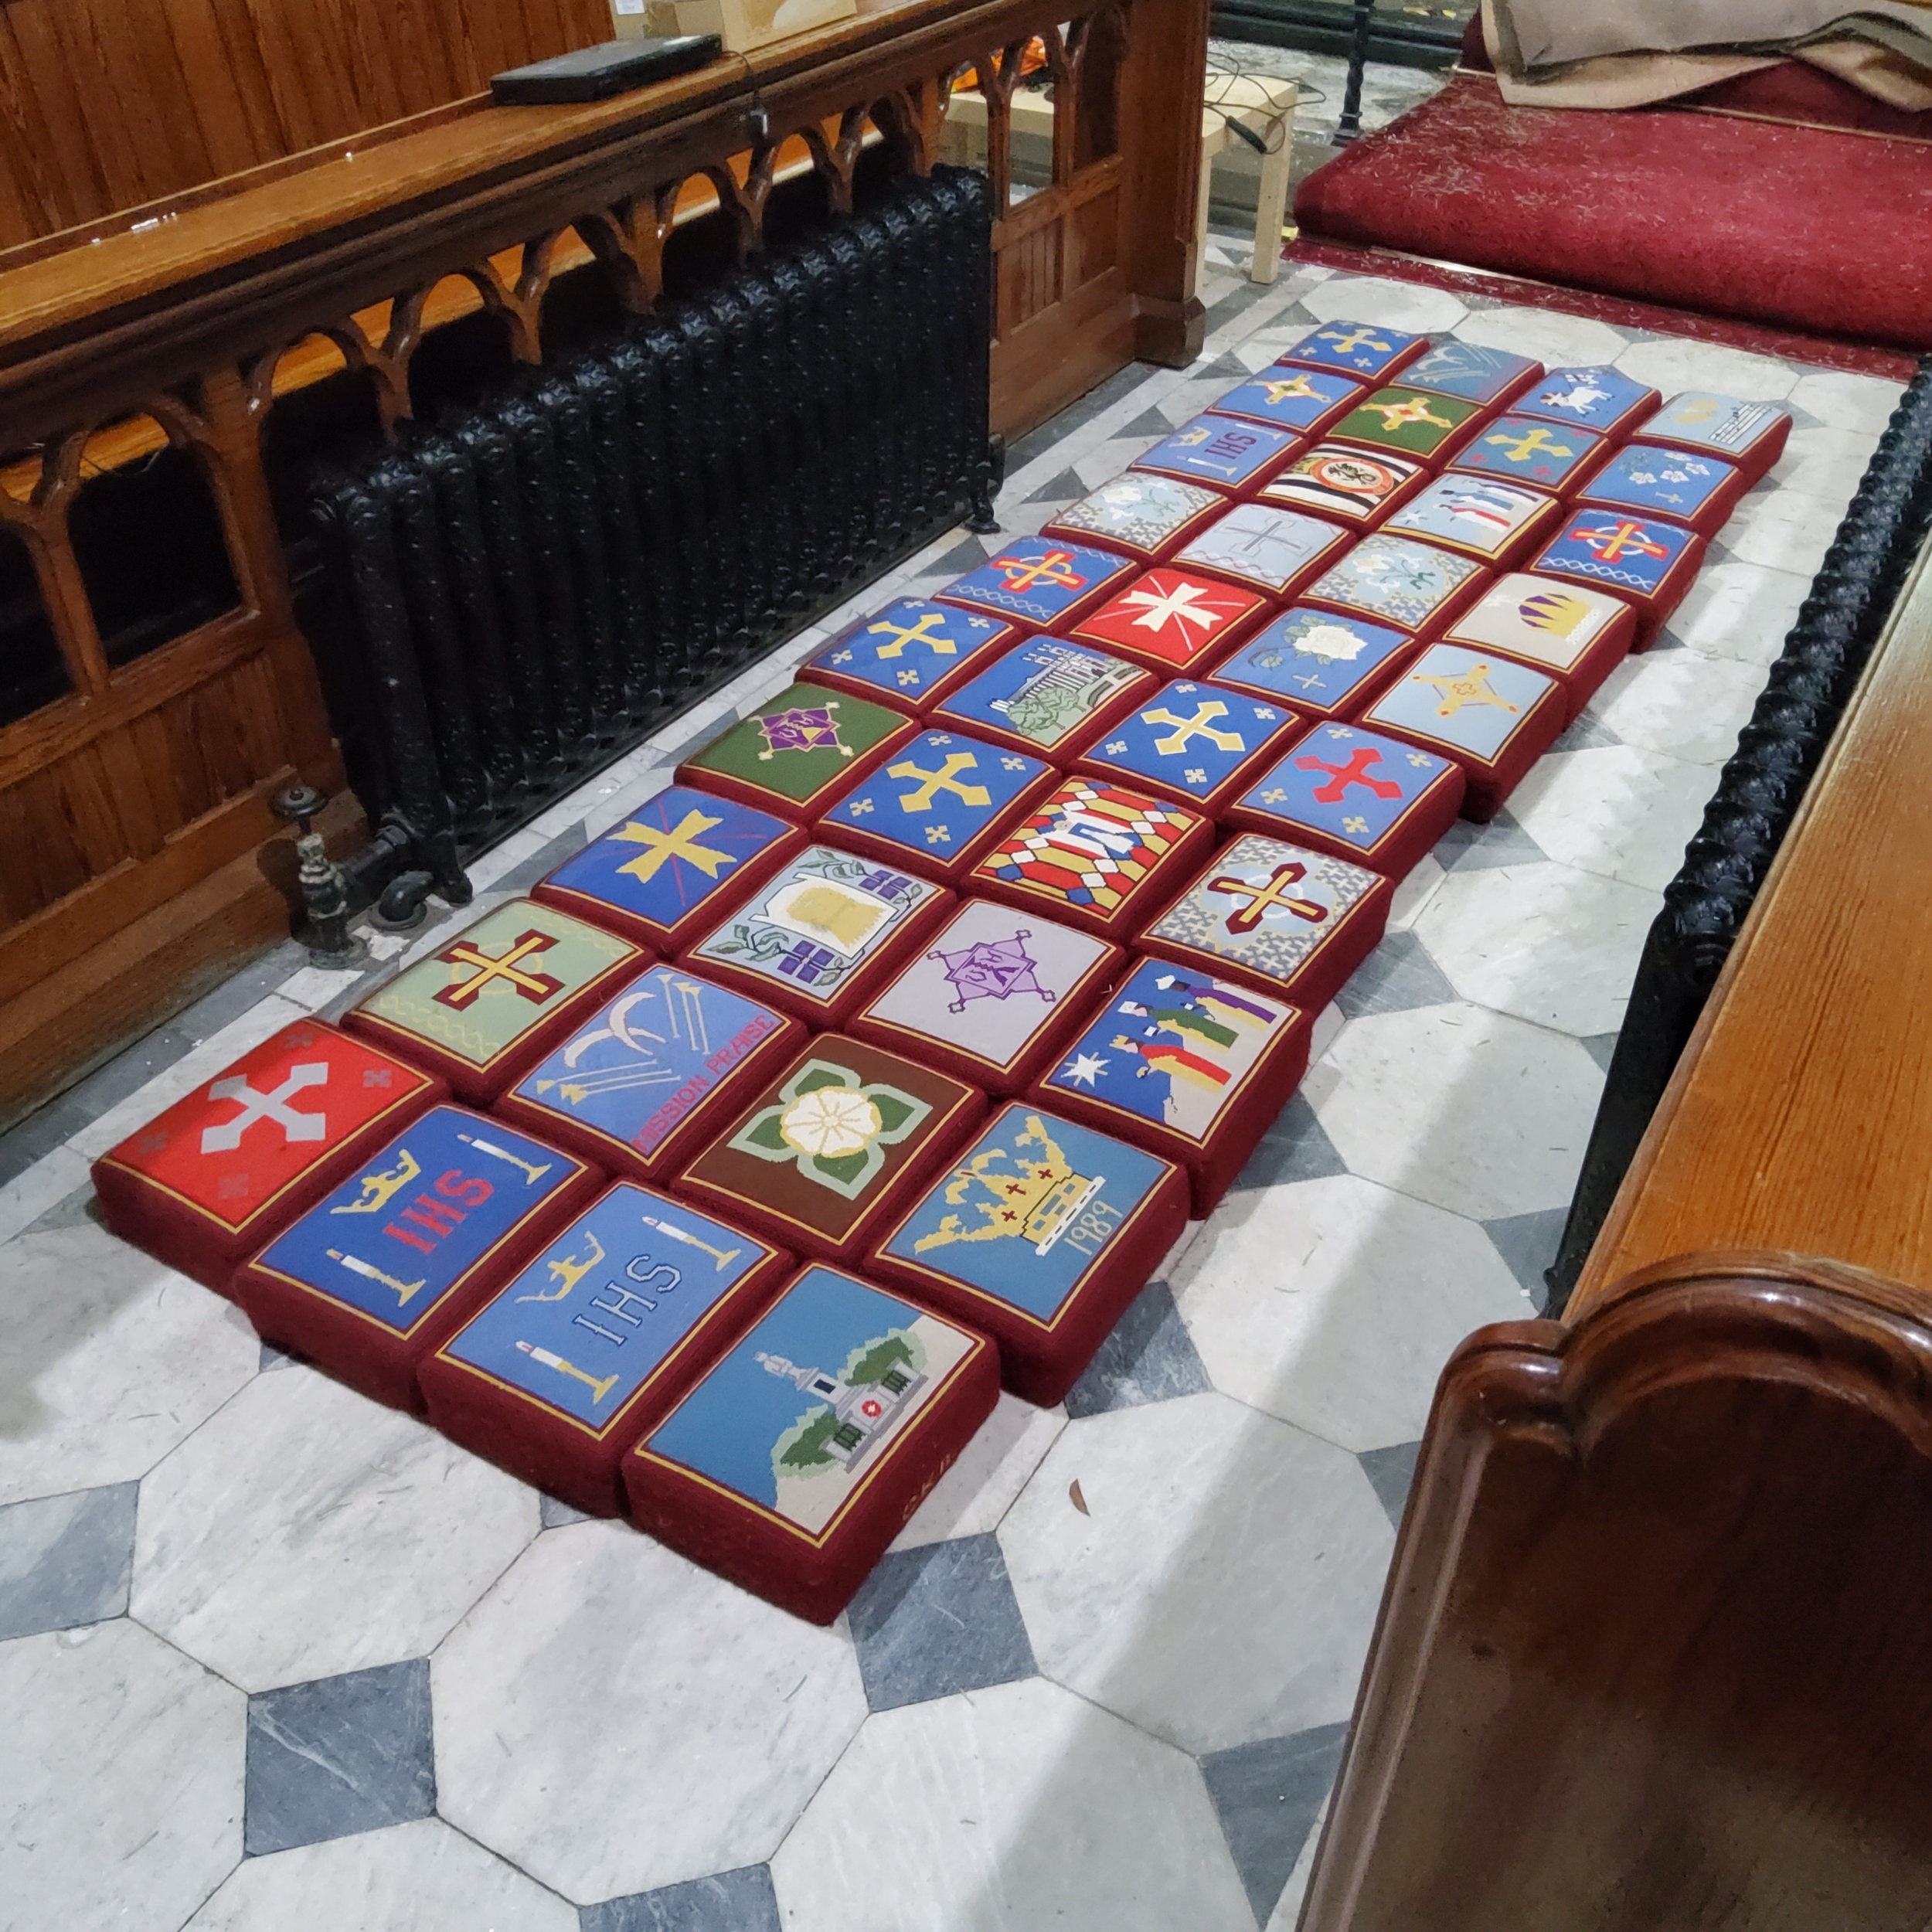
(1040, 1235)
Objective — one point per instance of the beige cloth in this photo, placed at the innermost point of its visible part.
(1887, 58)
(1551, 33)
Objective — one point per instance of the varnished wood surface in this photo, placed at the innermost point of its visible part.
(111, 104)
(1656, 1652)
(1801, 1117)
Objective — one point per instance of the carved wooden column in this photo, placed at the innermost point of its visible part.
(1163, 80)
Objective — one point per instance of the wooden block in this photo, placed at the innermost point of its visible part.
(484, 1008)
(1189, 1065)
(236, 1159)
(558, 1374)
(384, 1269)
(1040, 1235)
(827, 931)
(665, 874)
(795, 1461)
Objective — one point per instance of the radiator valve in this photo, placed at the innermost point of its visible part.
(325, 890)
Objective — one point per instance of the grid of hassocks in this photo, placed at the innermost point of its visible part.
(879, 1059)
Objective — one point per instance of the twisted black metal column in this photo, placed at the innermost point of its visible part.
(1759, 791)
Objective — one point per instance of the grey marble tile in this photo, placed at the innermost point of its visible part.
(81, 1209)
(968, 554)
(341, 1755)
(273, 1358)
(1067, 488)
(1150, 1357)
(1267, 1796)
(559, 1516)
(1390, 1471)
(1397, 975)
(1585, 732)
(521, 878)
(1075, 416)
(1464, 847)
(739, 1901)
(234, 996)
(1527, 1243)
(1149, 423)
(1295, 1148)
(37, 1136)
(66, 1560)
(931, 1621)
(1600, 1047)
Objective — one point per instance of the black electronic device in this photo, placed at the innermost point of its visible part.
(596, 73)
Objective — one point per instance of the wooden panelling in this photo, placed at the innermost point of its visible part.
(106, 105)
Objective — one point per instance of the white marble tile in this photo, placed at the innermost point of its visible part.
(1674, 702)
(29, 1194)
(1783, 529)
(605, 1673)
(487, 867)
(1556, 340)
(1546, 943)
(1614, 809)
(304, 1531)
(311, 988)
(1846, 401)
(1322, 1035)
(623, 801)
(121, 1781)
(1675, 363)
(1480, 1114)
(108, 1360)
(199, 1063)
(1334, 1304)
(1369, 298)
(1220, 1586)
(418, 1877)
(1413, 891)
(1831, 476)
(992, 1469)
(1286, 1915)
(1739, 610)
(1015, 1809)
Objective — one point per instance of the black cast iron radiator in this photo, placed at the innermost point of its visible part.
(515, 596)
(1758, 794)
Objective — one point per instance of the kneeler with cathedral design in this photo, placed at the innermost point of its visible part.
(203, 1185)
(1375, 801)
(383, 1270)
(1288, 921)
(937, 806)
(1190, 1065)
(662, 875)
(648, 1077)
(832, 1147)
(1044, 696)
(1040, 1235)
(801, 1454)
(483, 1007)
(1494, 716)
(559, 1373)
(791, 756)
(1577, 637)
(822, 935)
(993, 998)
(912, 653)
(1096, 854)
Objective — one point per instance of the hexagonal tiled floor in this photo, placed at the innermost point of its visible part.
(272, 1656)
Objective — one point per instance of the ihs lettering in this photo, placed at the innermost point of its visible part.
(434, 1217)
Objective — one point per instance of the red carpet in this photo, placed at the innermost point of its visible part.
(1808, 228)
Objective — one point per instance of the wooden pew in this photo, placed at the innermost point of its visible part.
(139, 749)
(1656, 1650)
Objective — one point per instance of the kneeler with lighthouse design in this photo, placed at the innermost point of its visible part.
(597, 1339)
(799, 1456)
(1038, 1235)
(379, 1273)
